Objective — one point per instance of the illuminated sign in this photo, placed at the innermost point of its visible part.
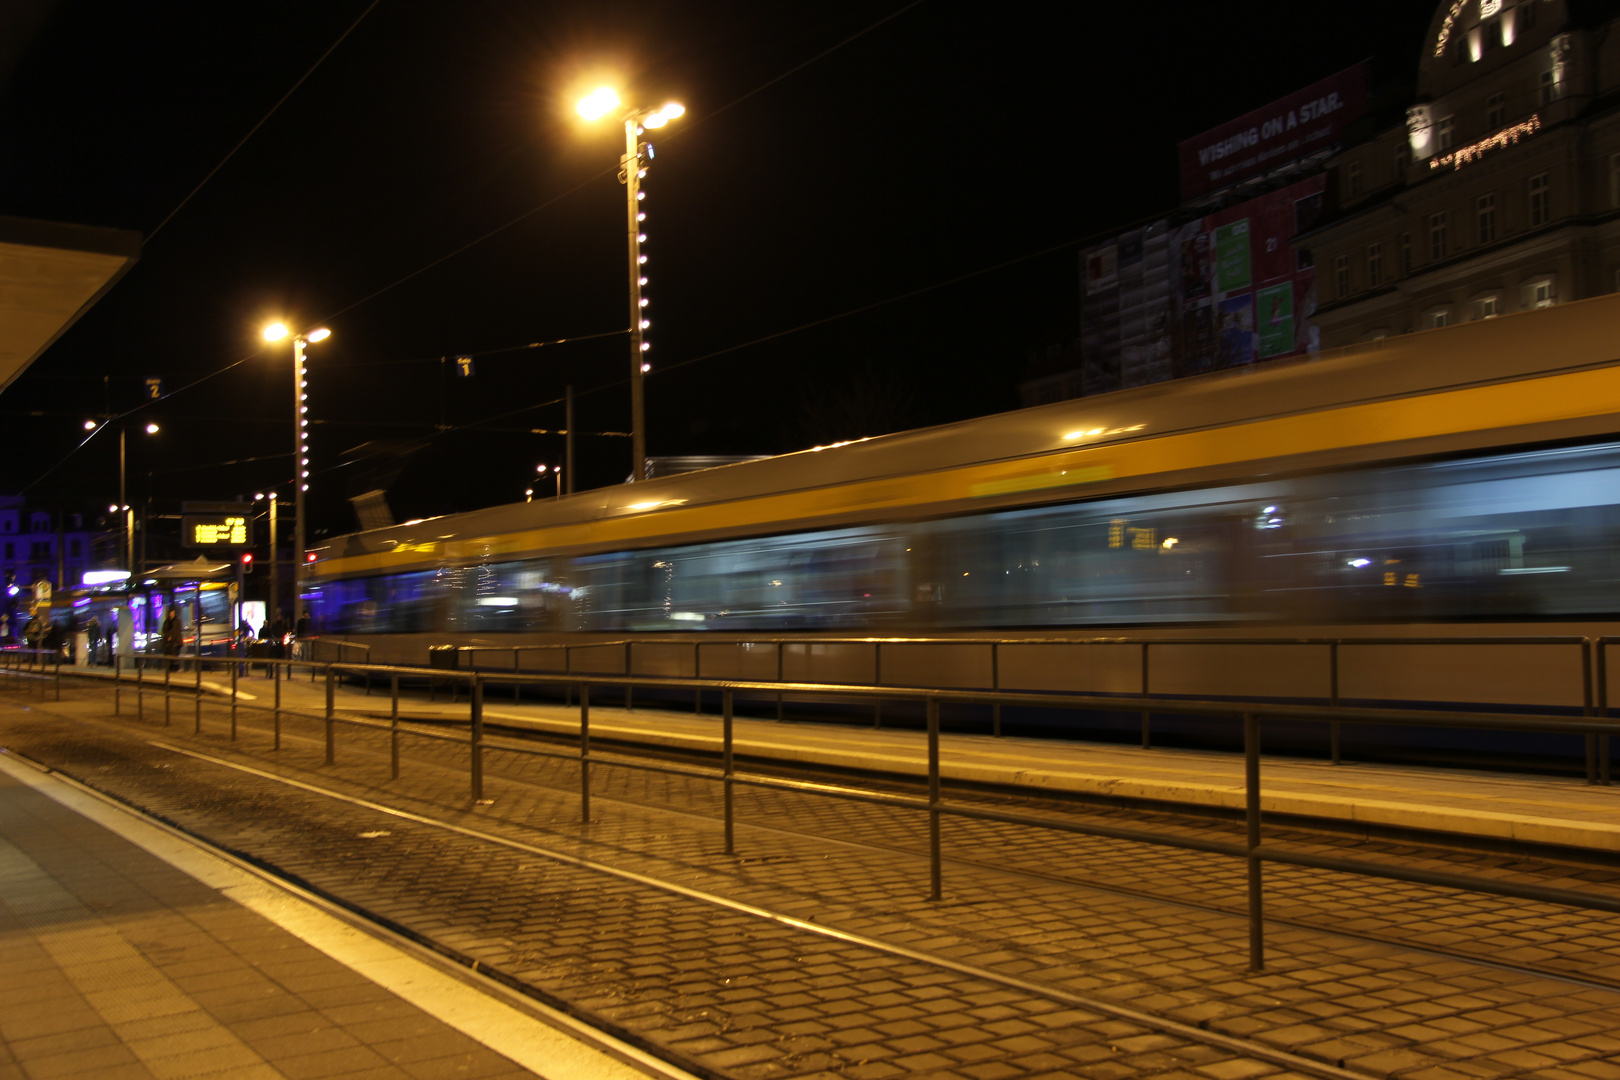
(1474, 151)
(1289, 128)
(215, 530)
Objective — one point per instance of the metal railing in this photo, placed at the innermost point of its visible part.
(1253, 715)
(1592, 690)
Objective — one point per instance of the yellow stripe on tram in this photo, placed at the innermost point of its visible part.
(1480, 408)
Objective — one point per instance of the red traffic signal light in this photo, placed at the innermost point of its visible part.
(309, 557)
(247, 562)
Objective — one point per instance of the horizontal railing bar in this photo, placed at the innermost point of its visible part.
(1484, 639)
(1565, 897)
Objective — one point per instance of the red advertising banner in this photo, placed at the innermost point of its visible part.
(1289, 128)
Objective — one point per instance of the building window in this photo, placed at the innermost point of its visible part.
(1375, 265)
(1437, 235)
(40, 550)
(1496, 111)
(1447, 132)
(1549, 87)
(1540, 294)
(1487, 307)
(1524, 17)
(1341, 275)
(1352, 178)
(1406, 254)
(1403, 157)
(1485, 214)
(1436, 319)
(12, 554)
(1539, 191)
(74, 549)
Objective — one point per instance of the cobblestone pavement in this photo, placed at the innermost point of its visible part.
(692, 978)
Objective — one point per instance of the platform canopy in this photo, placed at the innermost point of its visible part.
(50, 274)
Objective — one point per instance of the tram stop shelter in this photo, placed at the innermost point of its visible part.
(50, 275)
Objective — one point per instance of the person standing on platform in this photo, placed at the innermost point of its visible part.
(172, 638)
(92, 640)
(301, 636)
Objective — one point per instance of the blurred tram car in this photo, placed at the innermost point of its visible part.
(1455, 481)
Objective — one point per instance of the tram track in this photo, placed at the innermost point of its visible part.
(1225, 1041)
(1232, 1044)
(1096, 884)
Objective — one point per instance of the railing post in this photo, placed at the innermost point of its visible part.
(697, 673)
(1602, 660)
(877, 680)
(118, 688)
(517, 687)
(166, 677)
(779, 646)
(1251, 791)
(1588, 710)
(393, 726)
(233, 700)
(629, 691)
(934, 883)
(585, 753)
(475, 747)
(1333, 697)
(275, 722)
(995, 684)
(725, 737)
(140, 691)
(196, 689)
(58, 659)
(1147, 716)
(331, 693)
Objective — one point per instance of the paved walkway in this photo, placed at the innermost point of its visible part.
(1534, 809)
(117, 965)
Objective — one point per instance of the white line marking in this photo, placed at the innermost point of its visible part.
(550, 1048)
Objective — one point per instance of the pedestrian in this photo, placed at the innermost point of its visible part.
(301, 633)
(171, 637)
(244, 639)
(54, 641)
(92, 637)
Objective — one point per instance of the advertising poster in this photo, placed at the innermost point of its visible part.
(1232, 256)
(1276, 319)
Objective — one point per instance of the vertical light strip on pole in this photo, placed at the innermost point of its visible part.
(300, 474)
(638, 260)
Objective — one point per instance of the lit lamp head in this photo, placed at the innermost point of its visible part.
(152, 429)
(275, 331)
(598, 103)
(89, 425)
(663, 116)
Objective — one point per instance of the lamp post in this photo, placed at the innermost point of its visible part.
(122, 505)
(632, 168)
(557, 474)
(275, 332)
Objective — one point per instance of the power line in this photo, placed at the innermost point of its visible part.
(170, 216)
(613, 169)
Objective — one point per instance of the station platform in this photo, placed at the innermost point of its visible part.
(1481, 805)
(131, 953)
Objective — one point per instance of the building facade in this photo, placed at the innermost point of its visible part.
(37, 545)
(1500, 192)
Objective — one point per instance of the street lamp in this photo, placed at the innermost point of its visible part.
(275, 332)
(556, 473)
(122, 505)
(632, 167)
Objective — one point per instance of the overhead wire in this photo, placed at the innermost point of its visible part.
(243, 141)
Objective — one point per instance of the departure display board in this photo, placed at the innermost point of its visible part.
(215, 530)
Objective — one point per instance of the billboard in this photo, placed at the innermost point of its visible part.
(1292, 127)
(1219, 291)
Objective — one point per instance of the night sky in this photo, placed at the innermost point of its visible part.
(942, 142)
